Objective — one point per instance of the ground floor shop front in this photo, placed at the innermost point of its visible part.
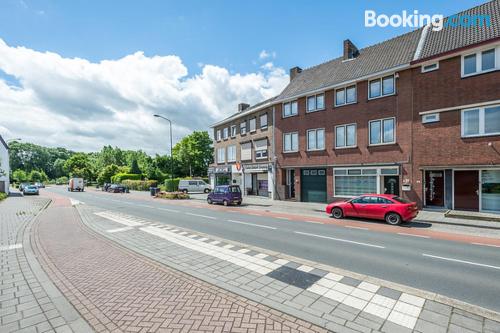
(462, 188)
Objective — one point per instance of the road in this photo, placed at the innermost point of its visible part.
(466, 272)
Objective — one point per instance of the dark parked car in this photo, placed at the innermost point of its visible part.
(40, 185)
(23, 185)
(117, 188)
(106, 186)
(225, 194)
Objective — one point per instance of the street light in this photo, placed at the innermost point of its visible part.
(171, 157)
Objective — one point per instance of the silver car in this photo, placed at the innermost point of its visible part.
(193, 185)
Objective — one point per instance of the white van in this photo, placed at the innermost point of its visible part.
(193, 185)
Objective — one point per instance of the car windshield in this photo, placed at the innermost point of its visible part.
(402, 200)
(234, 189)
(31, 187)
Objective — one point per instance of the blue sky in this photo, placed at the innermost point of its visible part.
(226, 33)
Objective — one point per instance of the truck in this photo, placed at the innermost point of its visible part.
(76, 184)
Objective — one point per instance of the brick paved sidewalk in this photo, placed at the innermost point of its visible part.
(29, 302)
(117, 290)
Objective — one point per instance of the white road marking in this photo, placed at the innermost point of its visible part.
(204, 216)
(112, 231)
(119, 219)
(254, 214)
(314, 222)
(75, 202)
(461, 261)
(168, 210)
(282, 218)
(492, 245)
(252, 224)
(147, 206)
(405, 234)
(340, 240)
(11, 247)
(354, 227)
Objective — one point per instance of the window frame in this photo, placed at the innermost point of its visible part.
(227, 157)
(233, 127)
(344, 89)
(479, 61)
(245, 127)
(381, 143)
(260, 121)
(315, 96)
(316, 135)
(223, 149)
(218, 135)
(427, 121)
(283, 115)
(262, 156)
(481, 132)
(225, 133)
(424, 70)
(345, 146)
(381, 80)
(291, 142)
(250, 125)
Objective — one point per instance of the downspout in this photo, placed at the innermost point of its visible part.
(275, 185)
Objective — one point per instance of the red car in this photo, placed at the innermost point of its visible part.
(391, 208)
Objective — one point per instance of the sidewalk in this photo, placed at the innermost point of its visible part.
(29, 302)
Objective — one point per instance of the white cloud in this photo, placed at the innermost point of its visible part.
(83, 105)
(265, 54)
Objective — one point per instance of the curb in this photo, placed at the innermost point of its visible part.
(480, 226)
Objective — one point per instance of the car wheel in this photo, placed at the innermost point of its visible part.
(210, 201)
(393, 218)
(225, 202)
(206, 190)
(185, 191)
(239, 203)
(337, 213)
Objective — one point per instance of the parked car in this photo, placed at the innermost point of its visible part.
(225, 194)
(40, 185)
(23, 185)
(117, 188)
(30, 189)
(391, 208)
(193, 185)
(76, 184)
(106, 186)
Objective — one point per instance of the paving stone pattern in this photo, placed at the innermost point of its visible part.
(118, 290)
(339, 303)
(28, 301)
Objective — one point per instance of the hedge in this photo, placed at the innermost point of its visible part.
(172, 195)
(175, 182)
(3, 196)
(139, 185)
(119, 177)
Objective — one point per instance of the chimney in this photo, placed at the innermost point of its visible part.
(350, 50)
(243, 106)
(294, 72)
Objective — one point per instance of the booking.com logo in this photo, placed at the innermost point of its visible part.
(417, 20)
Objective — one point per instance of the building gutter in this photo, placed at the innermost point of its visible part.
(460, 107)
(241, 114)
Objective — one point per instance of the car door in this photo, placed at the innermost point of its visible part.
(376, 207)
(356, 207)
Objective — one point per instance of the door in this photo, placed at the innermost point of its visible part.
(290, 182)
(391, 185)
(313, 185)
(357, 207)
(434, 188)
(374, 208)
(466, 190)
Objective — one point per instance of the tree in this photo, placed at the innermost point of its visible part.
(134, 167)
(79, 165)
(20, 176)
(106, 173)
(36, 176)
(2, 171)
(194, 153)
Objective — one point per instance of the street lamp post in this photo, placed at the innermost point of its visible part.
(171, 156)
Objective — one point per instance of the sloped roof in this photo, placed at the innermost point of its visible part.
(452, 38)
(248, 110)
(4, 143)
(372, 59)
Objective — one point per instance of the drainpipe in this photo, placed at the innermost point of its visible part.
(274, 158)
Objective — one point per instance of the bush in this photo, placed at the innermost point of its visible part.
(171, 188)
(172, 195)
(62, 180)
(139, 185)
(2, 196)
(119, 177)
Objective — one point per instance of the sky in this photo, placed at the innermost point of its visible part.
(83, 74)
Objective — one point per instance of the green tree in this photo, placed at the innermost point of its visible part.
(106, 173)
(79, 165)
(194, 153)
(20, 176)
(134, 167)
(36, 176)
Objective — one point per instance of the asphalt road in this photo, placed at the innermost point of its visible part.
(467, 272)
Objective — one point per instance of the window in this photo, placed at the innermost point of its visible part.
(345, 96)
(381, 87)
(221, 155)
(345, 136)
(290, 142)
(357, 181)
(260, 154)
(481, 121)
(233, 131)
(290, 109)
(263, 121)
(225, 133)
(315, 103)
(430, 67)
(316, 139)
(382, 131)
(243, 128)
(253, 125)
(246, 151)
(480, 62)
(430, 118)
(260, 149)
(231, 153)
(219, 135)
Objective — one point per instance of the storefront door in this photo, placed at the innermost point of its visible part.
(434, 188)
(290, 182)
(391, 185)
(490, 191)
(466, 190)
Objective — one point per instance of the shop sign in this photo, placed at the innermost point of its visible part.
(221, 169)
(256, 167)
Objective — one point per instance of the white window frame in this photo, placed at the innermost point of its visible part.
(381, 79)
(254, 119)
(345, 146)
(260, 121)
(381, 132)
(345, 95)
(219, 135)
(316, 134)
(481, 122)
(378, 173)
(229, 148)
(425, 70)
(259, 154)
(315, 96)
(233, 131)
(291, 109)
(225, 133)
(427, 118)
(291, 141)
(479, 60)
(219, 159)
(245, 127)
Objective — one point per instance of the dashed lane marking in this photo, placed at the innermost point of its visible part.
(282, 218)
(461, 261)
(482, 244)
(405, 234)
(354, 227)
(168, 210)
(252, 224)
(199, 215)
(340, 240)
(316, 222)
(11, 247)
(112, 231)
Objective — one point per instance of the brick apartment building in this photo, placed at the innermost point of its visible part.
(243, 151)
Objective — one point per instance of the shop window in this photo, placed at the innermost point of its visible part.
(490, 190)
